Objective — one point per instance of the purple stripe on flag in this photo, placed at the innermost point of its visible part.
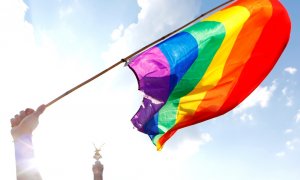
(153, 73)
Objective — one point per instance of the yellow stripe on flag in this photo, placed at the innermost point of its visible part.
(233, 20)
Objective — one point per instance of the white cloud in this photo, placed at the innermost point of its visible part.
(284, 91)
(65, 11)
(289, 99)
(247, 117)
(260, 97)
(155, 19)
(292, 144)
(117, 33)
(298, 116)
(187, 142)
(290, 70)
(288, 131)
(280, 154)
(189, 146)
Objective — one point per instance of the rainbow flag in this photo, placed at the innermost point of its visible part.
(208, 68)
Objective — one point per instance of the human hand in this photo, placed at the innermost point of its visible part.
(25, 122)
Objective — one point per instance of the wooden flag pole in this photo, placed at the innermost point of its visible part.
(85, 82)
(125, 60)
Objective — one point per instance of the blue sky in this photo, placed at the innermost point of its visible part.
(49, 46)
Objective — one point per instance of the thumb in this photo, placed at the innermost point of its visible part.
(40, 110)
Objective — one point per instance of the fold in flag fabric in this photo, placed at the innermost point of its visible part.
(208, 68)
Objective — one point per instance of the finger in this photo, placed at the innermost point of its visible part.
(29, 111)
(12, 122)
(22, 114)
(17, 119)
(17, 116)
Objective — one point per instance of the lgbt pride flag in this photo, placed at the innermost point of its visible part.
(208, 68)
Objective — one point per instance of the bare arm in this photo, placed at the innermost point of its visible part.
(23, 125)
(98, 171)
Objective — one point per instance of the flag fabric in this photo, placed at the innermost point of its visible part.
(208, 68)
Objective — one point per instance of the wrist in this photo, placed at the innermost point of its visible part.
(23, 147)
(20, 134)
(25, 138)
(98, 177)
